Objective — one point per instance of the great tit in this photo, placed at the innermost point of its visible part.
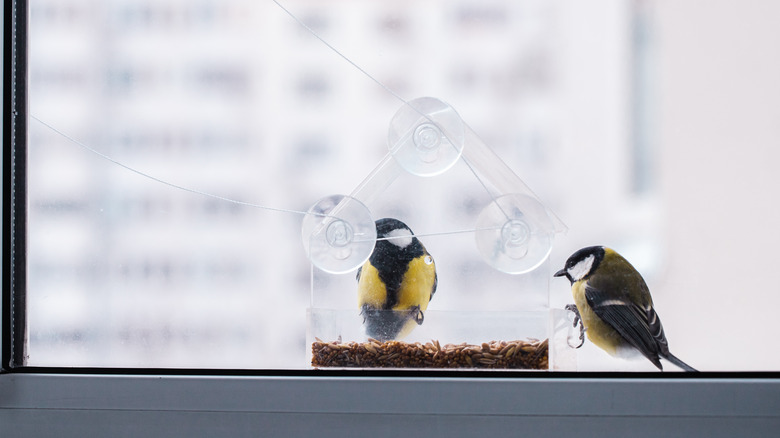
(615, 306)
(396, 283)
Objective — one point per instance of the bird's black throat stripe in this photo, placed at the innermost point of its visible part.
(392, 263)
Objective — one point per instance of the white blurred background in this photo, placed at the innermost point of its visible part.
(648, 126)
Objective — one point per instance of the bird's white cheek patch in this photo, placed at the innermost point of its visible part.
(582, 268)
(400, 238)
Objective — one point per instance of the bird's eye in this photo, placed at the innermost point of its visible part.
(428, 260)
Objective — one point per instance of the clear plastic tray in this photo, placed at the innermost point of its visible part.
(545, 332)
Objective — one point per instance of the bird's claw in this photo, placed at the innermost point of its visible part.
(577, 320)
(417, 315)
(573, 309)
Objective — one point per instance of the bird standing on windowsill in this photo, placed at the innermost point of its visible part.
(615, 306)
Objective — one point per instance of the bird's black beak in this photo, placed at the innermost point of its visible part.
(560, 273)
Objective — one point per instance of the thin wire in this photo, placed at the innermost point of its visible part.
(336, 51)
(223, 198)
(443, 233)
(164, 182)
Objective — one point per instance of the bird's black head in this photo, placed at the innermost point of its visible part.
(395, 247)
(582, 263)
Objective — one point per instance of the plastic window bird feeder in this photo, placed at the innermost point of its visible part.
(489, 234)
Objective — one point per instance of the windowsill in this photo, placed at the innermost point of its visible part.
(314, 405)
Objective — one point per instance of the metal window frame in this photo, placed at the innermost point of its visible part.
(14, 183)
(141, 402)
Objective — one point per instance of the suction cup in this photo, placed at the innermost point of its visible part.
(514, 234)
(338, 234)
(426, 136)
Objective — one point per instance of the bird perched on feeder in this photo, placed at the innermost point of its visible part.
(615, 306)
(396, 283)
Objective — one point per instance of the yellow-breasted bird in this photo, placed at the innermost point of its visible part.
(615, 306)
(396, 283)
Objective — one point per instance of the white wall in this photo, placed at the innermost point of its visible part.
(720, 147)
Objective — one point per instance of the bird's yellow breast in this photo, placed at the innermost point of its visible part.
(415, 290)
(417, 284)
(371, 289)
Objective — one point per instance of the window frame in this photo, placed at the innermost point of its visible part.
(162, 402)
(337, 403)
(14, 187)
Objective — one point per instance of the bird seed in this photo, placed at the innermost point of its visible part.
(530, 355)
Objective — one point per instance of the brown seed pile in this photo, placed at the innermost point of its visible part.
(531, 354)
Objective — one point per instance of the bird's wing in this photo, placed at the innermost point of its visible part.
(638, 325)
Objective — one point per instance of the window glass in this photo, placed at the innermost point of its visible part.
(175, 148)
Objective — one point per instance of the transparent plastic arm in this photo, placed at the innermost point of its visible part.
(481, 158)
(377, 181)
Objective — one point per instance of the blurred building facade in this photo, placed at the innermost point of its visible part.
(236, 99)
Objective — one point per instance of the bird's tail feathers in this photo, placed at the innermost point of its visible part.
(673, 359)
